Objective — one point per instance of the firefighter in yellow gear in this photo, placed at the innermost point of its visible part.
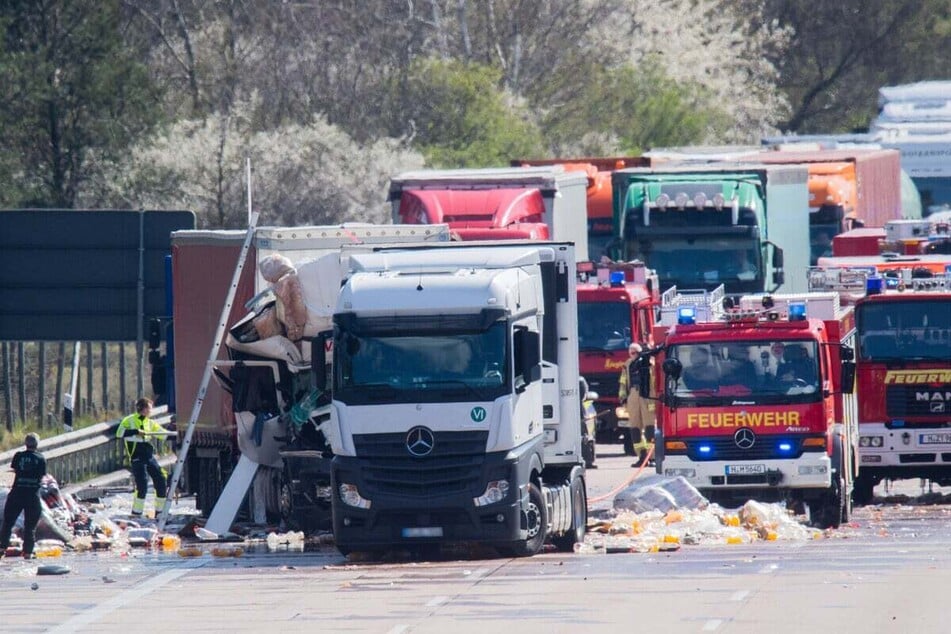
(136, 430)
(640, 423)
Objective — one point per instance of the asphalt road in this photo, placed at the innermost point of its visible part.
(888, 571)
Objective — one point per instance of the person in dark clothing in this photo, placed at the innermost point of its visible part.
(30, 467)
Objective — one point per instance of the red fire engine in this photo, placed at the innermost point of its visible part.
(756, 400)
(903, 317)
(616, 304)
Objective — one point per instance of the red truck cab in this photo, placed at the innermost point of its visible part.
(616, 304)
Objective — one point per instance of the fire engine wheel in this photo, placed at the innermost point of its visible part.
(827, 512)
(534, 523)
(579, 519)
(863, 490)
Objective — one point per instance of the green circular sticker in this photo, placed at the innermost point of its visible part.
(477, 414)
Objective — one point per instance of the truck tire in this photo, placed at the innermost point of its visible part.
(827, 511)
(535, 522)
(579, 519)
(863, 490)
(588, 452)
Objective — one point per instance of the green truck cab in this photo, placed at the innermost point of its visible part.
(699, 226)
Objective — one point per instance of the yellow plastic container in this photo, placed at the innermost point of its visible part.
(671, 539)
(731, 520)
(734, 539)
(171, 542)
(50, 551)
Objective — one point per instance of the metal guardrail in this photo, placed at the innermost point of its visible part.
(88, 452)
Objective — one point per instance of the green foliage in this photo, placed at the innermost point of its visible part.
(631, 110)
(458, 116)
(69, 85)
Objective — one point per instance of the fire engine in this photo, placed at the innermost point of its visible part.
(616, 304)
(756, 399)
(903, 320)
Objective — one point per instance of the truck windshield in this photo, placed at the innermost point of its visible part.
(604, 326)
(427, 367)
(905, 330)
(702, 263)
(754, 372)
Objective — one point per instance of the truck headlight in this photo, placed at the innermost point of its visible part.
(495, 491)
(351, 496)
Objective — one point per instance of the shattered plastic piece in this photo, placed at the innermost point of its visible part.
(205, 534)
(289, 541)
(190, 552)
(661, 493)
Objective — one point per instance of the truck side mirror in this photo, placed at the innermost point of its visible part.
(318, 359)
(779, 275)
(528, 357)
(848, 377)
(672, 368)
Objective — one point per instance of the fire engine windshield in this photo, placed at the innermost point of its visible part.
(905, 330)
(428, 367)
(692, 263)
(604, 326)
(754, 372)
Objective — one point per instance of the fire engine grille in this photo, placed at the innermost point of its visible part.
(923, 401)
(765, 448)
(604, 384)
(454, 466)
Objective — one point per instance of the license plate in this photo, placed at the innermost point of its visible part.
(745, 469)
(423, 531)
(934, 439)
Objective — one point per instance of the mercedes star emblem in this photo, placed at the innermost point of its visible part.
(420, 441)
(744, 438)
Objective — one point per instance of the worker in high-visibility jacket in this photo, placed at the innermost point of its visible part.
(640, 422)
(136, 431)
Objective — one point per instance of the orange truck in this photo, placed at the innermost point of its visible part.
(847, 189)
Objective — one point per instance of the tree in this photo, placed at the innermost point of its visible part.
(302, 174)
(842, 52)
(68, 86)
(459, 117)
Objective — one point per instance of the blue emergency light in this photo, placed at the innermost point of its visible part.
(785, 447)
(617, 278)
(891, 282)
(874, 285)
(687, 315)
(797, 311)
(705, 449)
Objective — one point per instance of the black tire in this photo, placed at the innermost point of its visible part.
(827, 512)
(863, 490)
(579, 519)
(588, 452)
(535, 522)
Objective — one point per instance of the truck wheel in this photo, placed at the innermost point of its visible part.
(863, 490)
(588, 452)
(534, 522)
(827, 512)
(579, 519)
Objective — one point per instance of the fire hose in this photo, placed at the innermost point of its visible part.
(634, 476)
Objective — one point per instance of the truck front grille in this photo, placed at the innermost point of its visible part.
(454, 466)
(923, 401)
(765, 448)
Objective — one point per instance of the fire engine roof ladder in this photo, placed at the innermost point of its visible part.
(223, 514)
